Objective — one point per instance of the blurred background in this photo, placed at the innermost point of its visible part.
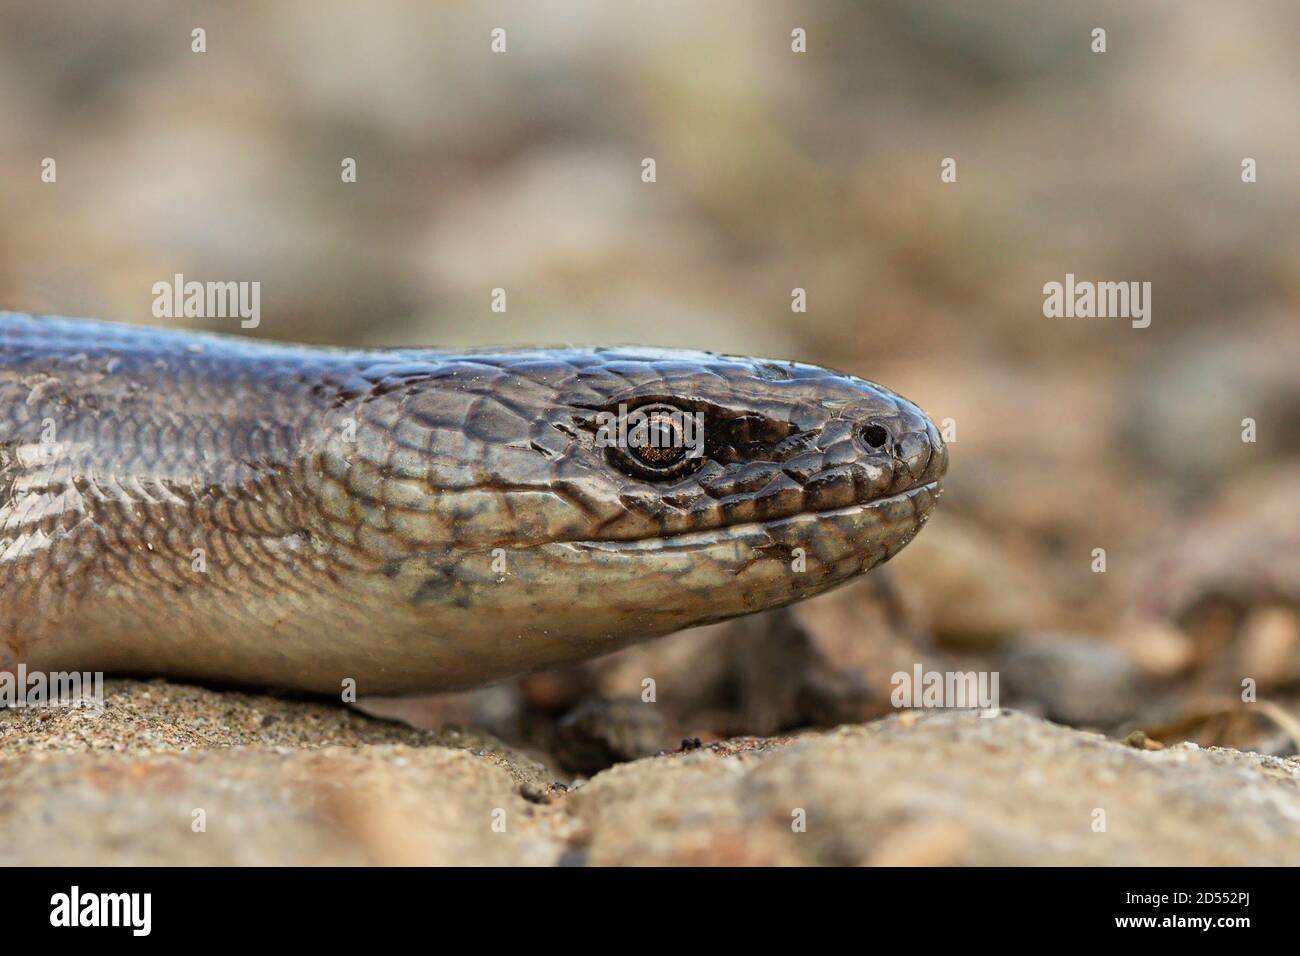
(775, 170)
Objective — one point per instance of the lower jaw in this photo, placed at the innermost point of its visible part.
(636, 590)
(565, 601)
(911, 506)
(707, 576)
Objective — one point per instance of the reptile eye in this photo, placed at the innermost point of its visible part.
(875, 435)
(656, 441)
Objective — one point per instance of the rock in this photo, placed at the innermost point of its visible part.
(1187, 406)
(945, 787)
(1239, 550)
(1270, 651)
(1073, 680)
(1158, 648)
(603, 731)
(168, 774)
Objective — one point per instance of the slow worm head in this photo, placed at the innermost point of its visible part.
(218, 509)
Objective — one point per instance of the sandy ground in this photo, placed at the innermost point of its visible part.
(171, 774)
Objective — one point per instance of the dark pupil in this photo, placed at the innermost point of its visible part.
(659, 443)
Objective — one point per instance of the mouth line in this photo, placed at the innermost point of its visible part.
(694, 539)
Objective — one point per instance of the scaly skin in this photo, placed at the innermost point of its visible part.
(217, 509)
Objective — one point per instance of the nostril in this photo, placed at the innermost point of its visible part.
(877, 436)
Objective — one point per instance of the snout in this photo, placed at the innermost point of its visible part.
(912, 442)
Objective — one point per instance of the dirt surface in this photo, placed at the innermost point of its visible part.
(274, 780)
